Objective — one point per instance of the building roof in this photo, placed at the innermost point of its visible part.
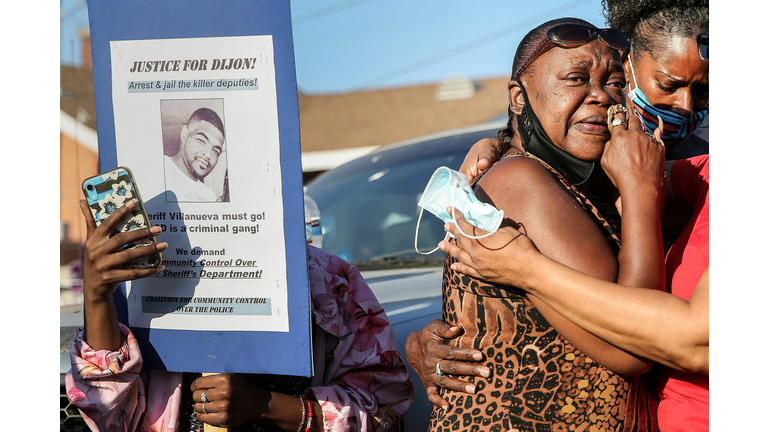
(386, 116)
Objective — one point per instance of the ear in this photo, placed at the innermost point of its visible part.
(184, 133)
(515, 95)
(628, 71)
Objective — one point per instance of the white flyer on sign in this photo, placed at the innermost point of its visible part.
(196, 123)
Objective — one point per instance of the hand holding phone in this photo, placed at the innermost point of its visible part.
(105, 194)
(105, 264)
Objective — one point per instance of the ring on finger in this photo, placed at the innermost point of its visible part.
(203, 398)
(438, 371)
(614, 121)
(204, 411)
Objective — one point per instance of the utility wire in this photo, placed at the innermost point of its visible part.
(452, 52)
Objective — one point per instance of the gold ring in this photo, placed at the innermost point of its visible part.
(612, 111)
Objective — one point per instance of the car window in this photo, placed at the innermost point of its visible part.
(369, 207)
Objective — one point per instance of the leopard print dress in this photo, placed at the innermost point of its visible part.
(539, 381)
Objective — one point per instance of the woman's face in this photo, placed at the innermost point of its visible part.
(676, 79)
(570, 90)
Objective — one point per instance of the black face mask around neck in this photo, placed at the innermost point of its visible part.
(537, 142)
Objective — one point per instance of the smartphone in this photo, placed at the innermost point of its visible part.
(107, 192)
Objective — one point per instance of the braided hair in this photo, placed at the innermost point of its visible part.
(524, 51)
(651, 23)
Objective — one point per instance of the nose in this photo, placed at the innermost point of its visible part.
(683, 104)
(598, 95)
(206, 151)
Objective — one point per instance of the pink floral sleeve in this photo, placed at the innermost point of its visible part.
(366, 384)
(110, 391)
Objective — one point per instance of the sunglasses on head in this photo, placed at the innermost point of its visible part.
(702, 40)
(576, 35)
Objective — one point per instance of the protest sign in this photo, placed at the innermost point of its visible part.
(198, 98)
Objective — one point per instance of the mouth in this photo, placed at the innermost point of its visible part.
(594, 125)
(203, 162)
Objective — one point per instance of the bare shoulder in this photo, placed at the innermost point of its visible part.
(517, 182)
(520, 166)
(531, 195)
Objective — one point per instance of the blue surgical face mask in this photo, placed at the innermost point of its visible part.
(676, 127)
(449, 188)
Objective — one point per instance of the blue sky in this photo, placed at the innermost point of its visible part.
(348, 45)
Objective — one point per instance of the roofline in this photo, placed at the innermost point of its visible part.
(79, 132)
(451, 132)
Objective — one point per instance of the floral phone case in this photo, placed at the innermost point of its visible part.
(111, 190)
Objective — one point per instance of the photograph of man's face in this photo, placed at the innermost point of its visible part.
(201, 146)
(194, 145)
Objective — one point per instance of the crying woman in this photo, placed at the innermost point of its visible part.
(548, 374)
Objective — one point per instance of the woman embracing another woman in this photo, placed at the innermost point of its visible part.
(545, 373)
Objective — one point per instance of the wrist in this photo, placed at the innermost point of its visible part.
(96, 298)
(644, 191)
(530, 262)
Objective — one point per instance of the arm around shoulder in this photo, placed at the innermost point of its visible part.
(533, 198)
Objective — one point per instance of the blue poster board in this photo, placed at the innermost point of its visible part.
(193, 350)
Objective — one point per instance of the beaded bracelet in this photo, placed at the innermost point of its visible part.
(304, 411)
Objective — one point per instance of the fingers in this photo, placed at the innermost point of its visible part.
(107, 248)
(90, 224)
(617, 118)
(659, 130)
(462, 225)
(634, 123)
(442, 330)
(215, 413)
(453, 249)
(486, 159)
(207, 386)
(461, 368)
(458, 252)
(132, 254)
(465, 269)
(472, 172)
(458, 216)
(449, 247)
(434, 397)
(206, 382)
(449, 353)
(454, 384)
(108, 225)
(211, 394)
(135, 236)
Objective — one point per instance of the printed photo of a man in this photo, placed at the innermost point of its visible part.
(194, 150)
